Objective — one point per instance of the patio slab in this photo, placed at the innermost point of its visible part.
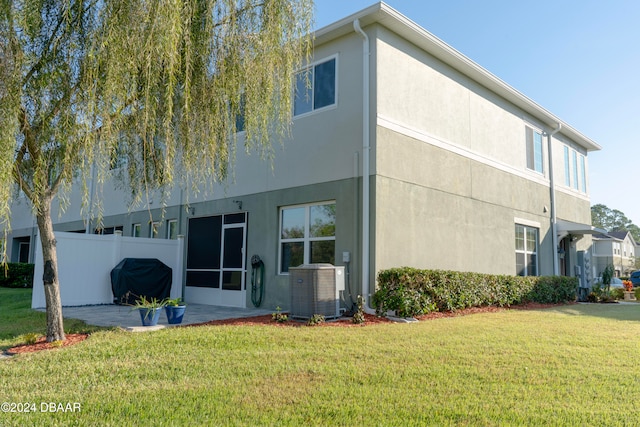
(129, 319)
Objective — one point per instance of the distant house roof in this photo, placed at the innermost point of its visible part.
(600, 236)
(618, 234)
(615, 235)
(388, 17)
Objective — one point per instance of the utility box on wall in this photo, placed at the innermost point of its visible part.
(583, 272)
(315, 289)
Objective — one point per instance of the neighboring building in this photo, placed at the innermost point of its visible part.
(617, 248)
(461, 172)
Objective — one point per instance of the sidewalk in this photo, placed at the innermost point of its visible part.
(129, 319)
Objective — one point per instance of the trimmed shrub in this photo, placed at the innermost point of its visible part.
(405, 292)
(18, 275)
(553, 289)
(412, 292)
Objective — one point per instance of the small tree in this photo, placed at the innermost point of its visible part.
(153, 86)
(607, 275)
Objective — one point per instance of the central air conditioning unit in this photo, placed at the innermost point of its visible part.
(315, 289)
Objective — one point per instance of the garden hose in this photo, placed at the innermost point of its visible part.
(257, 280)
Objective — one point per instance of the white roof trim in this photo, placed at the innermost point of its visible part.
(388, 17)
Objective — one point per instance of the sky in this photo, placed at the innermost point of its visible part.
(578, 59)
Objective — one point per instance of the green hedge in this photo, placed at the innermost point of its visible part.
(412, 292)
(18, 275)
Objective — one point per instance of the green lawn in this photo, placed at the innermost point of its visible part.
(16, 318)
(573, 365)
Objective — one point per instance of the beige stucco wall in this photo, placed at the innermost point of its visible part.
(420, 92)
(437, 209)
(451, 177)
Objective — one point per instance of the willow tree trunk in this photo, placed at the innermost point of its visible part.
(55, 328)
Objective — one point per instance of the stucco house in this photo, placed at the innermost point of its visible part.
(617, 248)
(404, 152)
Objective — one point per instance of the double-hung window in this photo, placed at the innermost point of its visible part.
(315, 87)
(583, 175)
(534, 150)
(575, 173)
(526, 250)
(307, 235)
(574, 161)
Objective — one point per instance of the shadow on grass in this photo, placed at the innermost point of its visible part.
(17, 318)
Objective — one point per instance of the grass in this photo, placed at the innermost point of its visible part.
(572, 365)
(17, 318)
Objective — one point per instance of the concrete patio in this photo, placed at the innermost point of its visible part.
(129, 319)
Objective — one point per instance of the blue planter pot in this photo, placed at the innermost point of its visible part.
(149, 317)
(175, 313)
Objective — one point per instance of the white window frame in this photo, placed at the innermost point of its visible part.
(312, 67)
(582, 173)
(575, 169)
(136, 227)
(574, 163)
(154, 229)
(526, 250)
(172, 224)
(567, 167)
(535, 153)
(306, 239)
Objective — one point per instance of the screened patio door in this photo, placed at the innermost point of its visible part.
(216, 260)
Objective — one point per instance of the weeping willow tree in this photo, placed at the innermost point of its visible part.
(152, 86)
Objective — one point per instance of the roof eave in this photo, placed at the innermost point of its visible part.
(388, 17)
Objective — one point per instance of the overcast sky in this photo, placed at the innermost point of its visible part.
(578, 59)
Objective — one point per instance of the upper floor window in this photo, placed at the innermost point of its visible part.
(239, 116)
(534, 150)
(583, 175)
(574, 158)
(567, 168)
(315, 87)
(575, 174)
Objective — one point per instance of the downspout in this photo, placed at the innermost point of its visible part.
(366, 147)
(91, 196)
(552, 188)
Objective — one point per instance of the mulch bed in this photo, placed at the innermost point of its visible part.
(42, 344)
(267, 320)
(344, 322)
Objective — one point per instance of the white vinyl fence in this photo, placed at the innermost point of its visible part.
(85, 262)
